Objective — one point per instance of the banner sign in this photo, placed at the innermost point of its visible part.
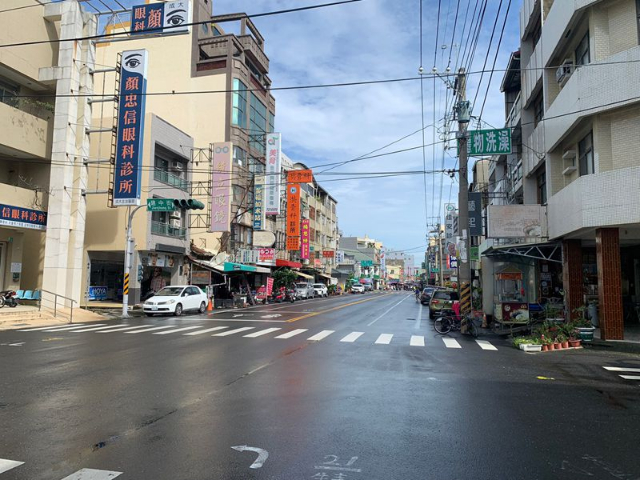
(267, 256)
(258, 203)
(272, 180)
(221, 191)
(299, 176)
(269, 285)
(128, 161)
(161, 18)
(317, 262)
(293, 215)
(97, 293)
(475, 214)
(517, 221)
(11, 216)
(304, 252)
(328, 253)
(293, 243)
(340, 256)
(366, 263)
(489, 142)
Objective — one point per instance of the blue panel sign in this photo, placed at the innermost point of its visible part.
(128, 162)
(161, 18)
(97, 293)
(22, 217)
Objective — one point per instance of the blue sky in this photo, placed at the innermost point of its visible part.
(371, 40)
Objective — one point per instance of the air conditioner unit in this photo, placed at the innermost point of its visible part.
(564, 72)
(177, 166)
(176, 223)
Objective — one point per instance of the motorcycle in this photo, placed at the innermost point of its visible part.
(290, 295)
(8, 297)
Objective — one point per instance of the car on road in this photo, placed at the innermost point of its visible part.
(304, 290)
(175, 300)
(357, 288)
(368, 287)
(426, 294)
(441, 302)
(320, 290)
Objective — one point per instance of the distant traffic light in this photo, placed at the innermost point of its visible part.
(189, 204)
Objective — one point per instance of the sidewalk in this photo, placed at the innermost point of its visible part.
(29, 316)
(630, 344)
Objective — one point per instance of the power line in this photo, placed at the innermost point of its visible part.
(424, 153)
(486, 58)
(169, 27)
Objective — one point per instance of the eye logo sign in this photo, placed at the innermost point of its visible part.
(293, 190)
(161, 18)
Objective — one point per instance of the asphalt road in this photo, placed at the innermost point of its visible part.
(348, 388)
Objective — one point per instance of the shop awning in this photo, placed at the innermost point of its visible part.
(262, 269)
(287, 263)
(209, 265)
(304, 275)
(324, 275)
(549, 251)
(238, 267)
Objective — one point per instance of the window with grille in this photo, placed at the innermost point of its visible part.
(585, 155)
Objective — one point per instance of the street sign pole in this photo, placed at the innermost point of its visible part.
(129, 250)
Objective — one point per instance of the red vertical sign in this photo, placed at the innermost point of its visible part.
(304, 252)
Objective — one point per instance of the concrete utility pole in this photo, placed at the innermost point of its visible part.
(129, 250)
(464, 265)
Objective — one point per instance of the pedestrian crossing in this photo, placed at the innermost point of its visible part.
(83, 474)
(626, 373)
(276, 333)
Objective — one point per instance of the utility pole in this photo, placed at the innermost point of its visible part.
(128, 258)
(464, 265)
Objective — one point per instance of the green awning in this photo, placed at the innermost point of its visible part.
(238, 267)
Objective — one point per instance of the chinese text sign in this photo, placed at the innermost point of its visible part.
(22, 217)
(489, 142)
(160, 18)
(293, 214)
(304, 252)
(272, 180)
(221, 187)
(258, 203)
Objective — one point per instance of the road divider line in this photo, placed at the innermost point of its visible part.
(320, 336)
(261, 332)
(484, 345)
(183, 329)
(232, 332)
(145, 329)
(315, 314)
(392, 307)
(384, 339)
(207, 330)
(416, 341)
(451, 342)
(352, 337)
(292, 333)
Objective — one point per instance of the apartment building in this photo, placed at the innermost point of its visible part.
(179, 136)
(43, 140)
(373, 251)
(580, 121)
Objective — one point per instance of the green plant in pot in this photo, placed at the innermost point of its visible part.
(562, 340)
(582, 325)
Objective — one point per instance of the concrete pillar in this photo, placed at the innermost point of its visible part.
(572, 275)
(63, 262)
(609, 284)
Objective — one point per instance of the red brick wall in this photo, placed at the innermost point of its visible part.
(572, 275)
(609, 284)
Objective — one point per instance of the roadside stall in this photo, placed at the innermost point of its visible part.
(512, 306)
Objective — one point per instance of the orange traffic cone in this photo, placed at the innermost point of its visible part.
(210, 306)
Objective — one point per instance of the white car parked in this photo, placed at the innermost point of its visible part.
(175, 300)
(321, 290)
(357, 288)
(304, 290)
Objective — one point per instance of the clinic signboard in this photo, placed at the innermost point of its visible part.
(11, 216)
(131, 110)
(272, 174)
(221, 189)
(161, 18)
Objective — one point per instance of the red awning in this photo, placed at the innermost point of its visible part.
(287, 263)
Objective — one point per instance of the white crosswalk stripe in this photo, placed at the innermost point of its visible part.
(91, 474)
(451, 342)
(206, 330)
(292, 333)
(384, 339)
(176, 330)
(631, 377)
(622, 369)
(261, 332)
(122, 329)
(320, 336)
(352, 337)
(232, 332)
(69, 327)
(91, 329)
(6, 465)
(144, 329)
(416, 341)
(484, 345)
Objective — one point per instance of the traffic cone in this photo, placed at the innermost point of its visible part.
(210, 306)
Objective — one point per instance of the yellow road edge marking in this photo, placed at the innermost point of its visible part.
(314, 314)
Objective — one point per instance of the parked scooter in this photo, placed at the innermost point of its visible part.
(8, 297)
(290, 295)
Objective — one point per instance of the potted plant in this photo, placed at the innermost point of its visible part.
(546, 343)
(584, 328)
(553, 313)
(534, 345)
(573, 341)
(562, 340)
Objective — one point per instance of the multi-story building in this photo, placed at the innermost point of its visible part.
(179, 133)
(580, 124)
(372, 249)
(43, 141)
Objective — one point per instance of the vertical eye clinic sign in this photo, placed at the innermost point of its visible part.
(128, 161)
(272, 180)
(221, 190)
(161, 18)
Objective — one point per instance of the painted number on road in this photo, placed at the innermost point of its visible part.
(273, 315)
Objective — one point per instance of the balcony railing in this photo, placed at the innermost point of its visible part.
(170, 179)
(158, 228)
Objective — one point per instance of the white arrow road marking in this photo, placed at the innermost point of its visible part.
(91, 474)
(273, 315)
(6, 465)
(262, 454)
